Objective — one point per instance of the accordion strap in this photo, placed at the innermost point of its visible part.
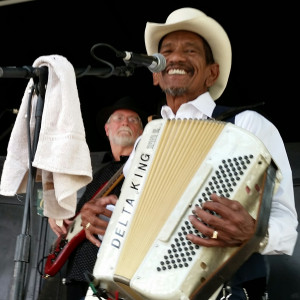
(231, 112)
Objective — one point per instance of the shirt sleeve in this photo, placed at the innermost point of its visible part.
(283, 220)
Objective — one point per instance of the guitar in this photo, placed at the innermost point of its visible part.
(66, 243)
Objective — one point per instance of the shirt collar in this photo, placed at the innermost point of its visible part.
(108, 156)
(200, 108)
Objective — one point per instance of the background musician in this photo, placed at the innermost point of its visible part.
(123, 123)
(198, 55)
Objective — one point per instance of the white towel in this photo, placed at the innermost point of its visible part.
(62, 157)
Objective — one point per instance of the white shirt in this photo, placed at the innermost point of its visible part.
(283, 220)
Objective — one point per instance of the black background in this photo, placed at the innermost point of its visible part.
(263, 43)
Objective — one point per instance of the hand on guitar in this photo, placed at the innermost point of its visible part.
(59, 231)
(90, 213)
(232, 227)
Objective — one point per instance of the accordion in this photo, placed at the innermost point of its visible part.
(178, 164)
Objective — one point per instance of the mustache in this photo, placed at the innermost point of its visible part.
(125, 128)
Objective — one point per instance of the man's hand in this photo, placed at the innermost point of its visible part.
(90, 216)
(233, 226)
(57, 229)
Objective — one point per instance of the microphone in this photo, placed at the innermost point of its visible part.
(155, 63)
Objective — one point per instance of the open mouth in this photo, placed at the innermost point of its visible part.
(176, 72)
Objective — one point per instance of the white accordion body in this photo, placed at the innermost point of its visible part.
(177, 165)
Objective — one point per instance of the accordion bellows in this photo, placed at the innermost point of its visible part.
(177, 165)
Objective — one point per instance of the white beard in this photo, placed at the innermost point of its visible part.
(121, 139)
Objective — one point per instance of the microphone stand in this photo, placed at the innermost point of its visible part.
(22, 251)
(40, 78)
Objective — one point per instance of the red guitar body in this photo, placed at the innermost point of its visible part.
(63, 247)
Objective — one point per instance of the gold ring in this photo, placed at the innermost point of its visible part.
(215, 235)
(87, 225)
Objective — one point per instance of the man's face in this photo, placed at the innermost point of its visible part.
(187, 71)
(123, 127)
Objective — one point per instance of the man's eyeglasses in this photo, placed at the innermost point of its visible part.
(120, 118)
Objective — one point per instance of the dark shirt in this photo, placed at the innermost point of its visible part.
(83, 258)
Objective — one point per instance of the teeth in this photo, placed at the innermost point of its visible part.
(176, 71)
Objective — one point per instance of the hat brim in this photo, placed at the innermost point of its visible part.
(210, 30)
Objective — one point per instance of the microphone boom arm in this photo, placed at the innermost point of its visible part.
(29, 72)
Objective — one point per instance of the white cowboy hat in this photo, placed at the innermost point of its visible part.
(194, 20)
